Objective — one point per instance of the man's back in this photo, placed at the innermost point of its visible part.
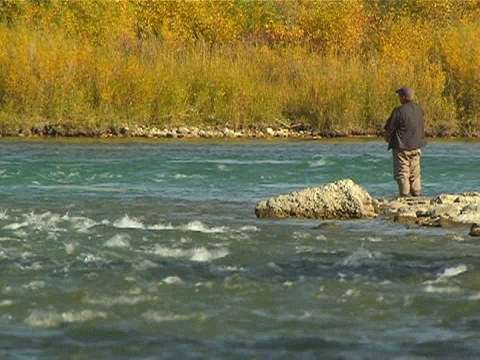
(407, 126)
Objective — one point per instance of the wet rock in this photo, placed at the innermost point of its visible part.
(406, 218)
(475, 230)
(327, 225)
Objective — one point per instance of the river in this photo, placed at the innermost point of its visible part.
(151, 250)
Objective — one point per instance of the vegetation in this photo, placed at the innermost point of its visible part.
(332, 65)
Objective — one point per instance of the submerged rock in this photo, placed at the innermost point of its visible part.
(339, 200)
(327, 225)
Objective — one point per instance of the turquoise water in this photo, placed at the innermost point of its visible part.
(151, 250)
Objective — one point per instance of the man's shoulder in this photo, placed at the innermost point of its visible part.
(410, 106)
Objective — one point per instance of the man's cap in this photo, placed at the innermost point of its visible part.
(406, 92)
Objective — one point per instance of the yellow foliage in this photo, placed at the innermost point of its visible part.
(337, 26)
(333, 64)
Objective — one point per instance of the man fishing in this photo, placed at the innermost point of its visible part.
(405, 133)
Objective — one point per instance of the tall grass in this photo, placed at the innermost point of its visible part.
(130, 62)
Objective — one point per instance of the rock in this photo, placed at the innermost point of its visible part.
(474, 230)
(269, 131)
(183, 130)
(446, 222)
(406, 218)
(346, 200)
(340, 200)
(327, 225)
(445, 210)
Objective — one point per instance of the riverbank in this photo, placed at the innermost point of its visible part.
(296, 131)
(180, 132)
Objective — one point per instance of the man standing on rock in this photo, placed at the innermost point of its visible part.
(405, 134)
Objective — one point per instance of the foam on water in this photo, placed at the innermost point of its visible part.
(6, 302)
(448, 273)
(374, 239)
(172, 280)
(62, 176)
(104, 176)
(185, 176)
(35, 285)
(433, 286)
(119, 300)
(145, 264)
(161, 227)
(40, 222)
(118, 241)
(128, 223)
(81, 224)
(159, 316)
(169, 252)
(93, 259)
(205, 255)
(249, 228)
(319, 163)
(360, 257)
(4, 215)
(199, 254)
(301, 235)
(229, 268)
(443, 289)
(70, 248)
(198, 226)
(48, 319)
(50, 222)
(475, 297)
(453, 271)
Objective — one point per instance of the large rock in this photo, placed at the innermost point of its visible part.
(339, 200)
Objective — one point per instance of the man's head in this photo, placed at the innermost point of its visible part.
(405, 94)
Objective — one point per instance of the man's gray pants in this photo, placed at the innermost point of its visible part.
(406, 170)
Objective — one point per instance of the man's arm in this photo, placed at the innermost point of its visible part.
(390, 126)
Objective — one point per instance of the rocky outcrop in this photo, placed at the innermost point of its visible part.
(340, 200)
(443, 210)
(346, 200)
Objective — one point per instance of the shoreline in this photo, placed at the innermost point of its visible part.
(184, 132)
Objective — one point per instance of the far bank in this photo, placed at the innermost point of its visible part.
(185, 132)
